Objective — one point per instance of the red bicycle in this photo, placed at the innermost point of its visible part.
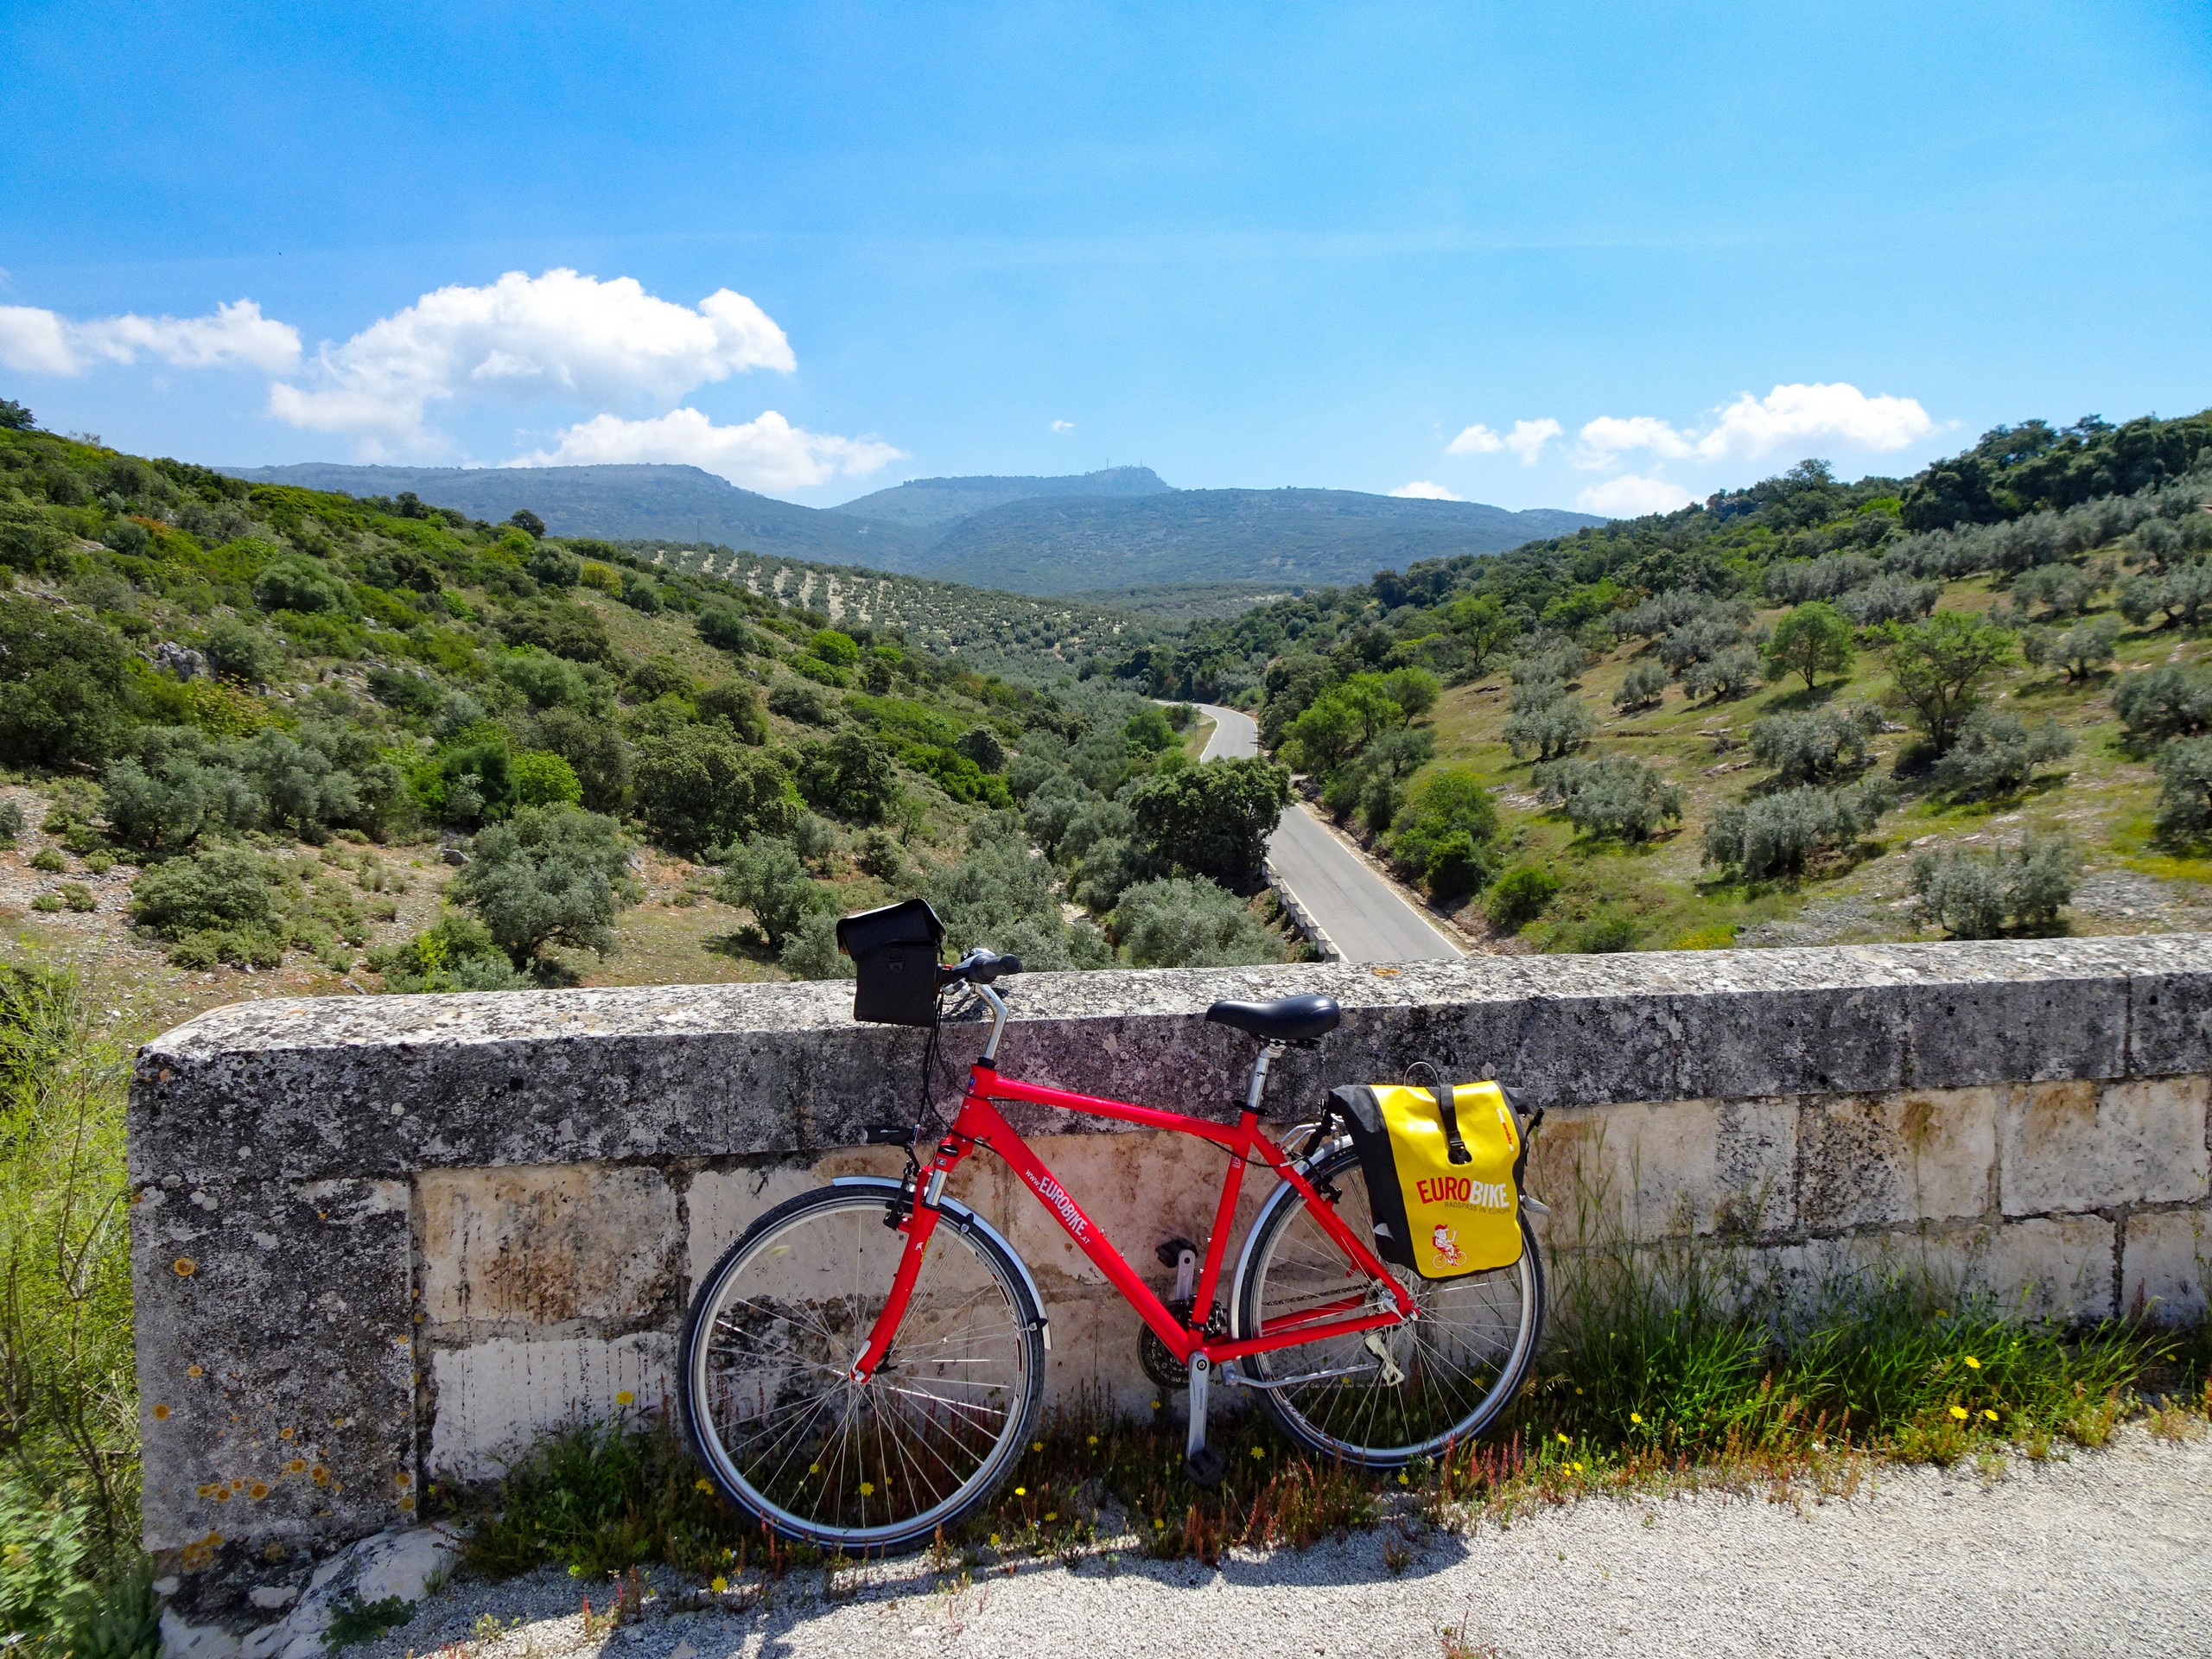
(865, 1364)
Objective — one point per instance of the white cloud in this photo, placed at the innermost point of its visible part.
(1062, 426)
(1631, 497)
(1792, 415)
(1752, 427)
(559, 334)
(768, 453)
(1526, 440)
(234, 335)
(1421, 490)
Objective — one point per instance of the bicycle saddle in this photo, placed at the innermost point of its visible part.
(1285, 1020)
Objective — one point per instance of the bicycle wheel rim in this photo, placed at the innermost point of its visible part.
(787, 1435)
(1464, 1357)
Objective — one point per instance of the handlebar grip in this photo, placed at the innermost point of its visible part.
(979, 967)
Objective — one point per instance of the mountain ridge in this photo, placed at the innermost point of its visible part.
(1122, 527)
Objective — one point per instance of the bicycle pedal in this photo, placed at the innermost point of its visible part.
(1206, 1466)
(1171, 1251)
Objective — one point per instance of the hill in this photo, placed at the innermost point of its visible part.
(933, 500)
(1977, 700)
(1031, 640)
(1118, 529)
(1057, 545)
(616, 504)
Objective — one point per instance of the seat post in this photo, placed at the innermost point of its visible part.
(1269, 1052)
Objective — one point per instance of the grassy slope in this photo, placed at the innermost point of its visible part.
(2099, 796)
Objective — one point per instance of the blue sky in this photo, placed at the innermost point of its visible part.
(1528, 259)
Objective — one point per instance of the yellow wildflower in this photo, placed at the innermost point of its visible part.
(1990, 1414)
(702, 1485)
(1635, 1417)
(867, 1489)
(1959, 1412)
(1972, 1364)
(624, 1397)
(718, 1583)
(1021, 1491)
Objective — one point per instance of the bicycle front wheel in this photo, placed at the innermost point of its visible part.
(1463, 1358)
(785, 1433)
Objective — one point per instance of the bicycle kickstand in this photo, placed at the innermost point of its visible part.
(1201, 1462)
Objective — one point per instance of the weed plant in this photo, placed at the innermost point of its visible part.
(71, 1579)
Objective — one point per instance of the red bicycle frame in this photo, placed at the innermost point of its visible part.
(980, 1124)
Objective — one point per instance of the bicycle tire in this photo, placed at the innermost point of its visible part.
(1357, 1418)
(737, 1336)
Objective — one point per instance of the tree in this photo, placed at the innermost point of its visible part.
(14, 417)
(1814, 747)
(698, 787)
(61, 687)
(298, 584)
(1612, 795)
(1780, 834)
(543, 778)
(595, 751)
(2185, 768)
(1177, 922)
(725, 628)
(1997, 752)
(1971, 894)
(1443, 838)
(1551, 729)
(1939, 667)
(1340, 723)
(766, 876)
(549, 875)
(849, 777)
(1812, 640)
(1645, 686)
(528, 523)
(1214, 820)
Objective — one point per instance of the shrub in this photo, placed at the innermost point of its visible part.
(641, 592)
(766, 876)
(980, 744)
(726, 629)
(2167, 701)
(811, 951)
(1443, 838)
(1699, 640)
(237, 651)
(836, 649)
(1812, 640)
(1612, 796)
(1971, 895)
(541, 777)
(410, 694)
(1782, 835)
(75, 896)
(1725, 674)
(880, 857)
(549, 875)
(849, 777)
(458, 954)
(657, 677)
(1003, 896)
(11, 822)
(50, 860)
(562, 626)
(1213, 820)
(1606, 933)
(551, 566)
(802, 700)
(698, 787)
(1939, 667)
(1519, 896)
(1997, 752)
(1816, 747)
(734, 704)
(1889, 599)
(2080, 649)
(61, 687)
(1551, 729)
(298, 584)
(2185, 769)
(1181, 922)
(221, 904)
(549, 682)
(1645, 686)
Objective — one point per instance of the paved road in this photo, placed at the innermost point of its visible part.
(1362, 917)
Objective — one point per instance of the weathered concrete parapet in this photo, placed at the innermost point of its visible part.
(370, 1232)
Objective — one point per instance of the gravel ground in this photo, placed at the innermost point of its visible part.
(2099, 1553)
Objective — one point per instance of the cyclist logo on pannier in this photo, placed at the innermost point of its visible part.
(1445, 1242)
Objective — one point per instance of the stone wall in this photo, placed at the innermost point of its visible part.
(380, 1241)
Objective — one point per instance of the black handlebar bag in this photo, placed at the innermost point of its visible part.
(895, 949)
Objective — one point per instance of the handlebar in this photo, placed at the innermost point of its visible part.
(978, 967)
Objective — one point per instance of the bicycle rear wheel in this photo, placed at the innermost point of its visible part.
(1463, 1358)
(878, 1465)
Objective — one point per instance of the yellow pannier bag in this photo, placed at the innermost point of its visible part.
(1443, 1167)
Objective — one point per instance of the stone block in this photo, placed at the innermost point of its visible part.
(2078, 1146)
(2056, 1267)
(1985, 1031)
(1886, 1160)
(2166, 1264)
(496, 1398)
(546, 1246)
(1678, 1169)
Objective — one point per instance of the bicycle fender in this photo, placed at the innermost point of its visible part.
(966, 1217)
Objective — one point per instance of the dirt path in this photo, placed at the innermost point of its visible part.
(2096, 1554)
